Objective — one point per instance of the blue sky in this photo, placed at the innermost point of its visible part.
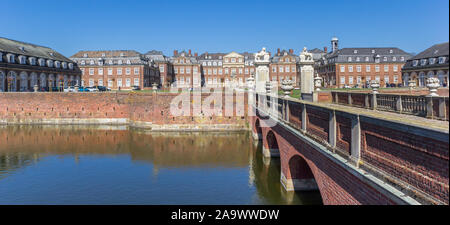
(226, 25)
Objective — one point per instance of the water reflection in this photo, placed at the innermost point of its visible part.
(115, 165)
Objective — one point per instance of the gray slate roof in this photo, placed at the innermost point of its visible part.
(435, 51)
(15, 47)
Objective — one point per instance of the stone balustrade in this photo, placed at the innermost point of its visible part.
(433, 107)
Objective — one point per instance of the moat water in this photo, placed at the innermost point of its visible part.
(117, 165)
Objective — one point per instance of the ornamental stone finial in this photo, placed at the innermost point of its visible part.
(433, 84)
(374, 84)
(287, 85)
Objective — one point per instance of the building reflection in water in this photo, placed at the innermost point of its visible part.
(22, 146)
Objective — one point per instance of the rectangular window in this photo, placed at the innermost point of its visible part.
(358, 68)
(176, 70)
(287, 69)
(233, 70)
(128, 71)
(161, 68)
(119, 71)
(100, 71)
(274, 69)
(274, 78)
(91, 71)
(281, 69)
(82, 71)
(119, 82)
(240, 71)
(395, 79)
(395, 68)
(358, 79)
(209, 71)
(136, 81)
(91, 82)
(350, 68)
(350, 80)
(226, 70)
(367, 68)
(386, 79)
(188, 70)
(377, 68)
(377, 78)
(195, 69)
(214, 71)
(342, 71)
(293, 69)
(110, 83)
(181, 70)
(246, 70)
(109, 71)
(188, 80)
(386, 68)
(136, 70)
(342, 80)
(128, 82)
(220, 71)
(100, 82)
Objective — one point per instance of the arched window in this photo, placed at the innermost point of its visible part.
(110, 62)
(421, 79)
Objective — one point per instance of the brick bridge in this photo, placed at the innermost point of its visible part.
(353, 157)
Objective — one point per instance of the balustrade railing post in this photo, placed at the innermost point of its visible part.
(366, 101)
(336, 98)
(332, 129)
(399, 106)
(355, 147)
(442, 108)
(374, 101)
(304, 117)
(350, 100)
(287, 110)
(429, 107)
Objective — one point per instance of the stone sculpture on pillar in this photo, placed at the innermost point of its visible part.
(374, 84)
(318, 82)
(262, 61)
(433, 84)
(306, 72)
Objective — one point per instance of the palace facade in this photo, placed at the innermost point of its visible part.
(24, 66)
(432, 62)
(356, 67)
(116, 69)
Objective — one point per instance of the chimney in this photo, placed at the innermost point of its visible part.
(325, 49)
(196, 54)
(190, 52)
(278, 51)
(175, 52)
(291, 51)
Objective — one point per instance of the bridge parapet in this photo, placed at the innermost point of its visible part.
(411, 158)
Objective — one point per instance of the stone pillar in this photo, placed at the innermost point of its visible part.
(398, 105)
(332, 129)
(306, 72)
(262, 61)
(355, 140)
(429, 102)
(304, 122)
(442, 108)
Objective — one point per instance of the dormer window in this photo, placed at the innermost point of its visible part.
(441, 60)
(85, 55)
(214, 63)
(128, 62)
(394, 58)
(373, 51)
(51, 53)
(120, 61)
(357, 59)
(367, 59)
(423, 62)
(100, 62)
(349, 59)
(432, 60)
(110, 62)
(415, 62)
(1, 56)
(92, 62)
(83, 62)
(22, 59)
(57, 64)
(121, 54)
(103, 55)
(64, 65)
(21, 48)
(10, 58)
(385, 58)
(355, 51)
(391, 51)
(32, 61)
(402, 58)
(41, 62)
(50, 63)
(71, 66)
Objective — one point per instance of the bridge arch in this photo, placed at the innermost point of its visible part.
(301, 174)
(272, 149)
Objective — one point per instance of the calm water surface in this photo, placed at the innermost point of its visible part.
(115, 165)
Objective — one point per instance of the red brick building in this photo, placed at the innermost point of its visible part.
(355, 67)
(117, 69)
